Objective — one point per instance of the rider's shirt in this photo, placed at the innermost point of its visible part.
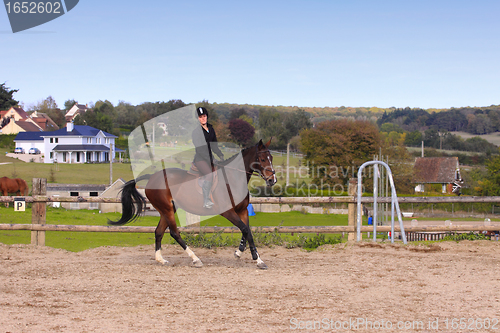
(205, 142)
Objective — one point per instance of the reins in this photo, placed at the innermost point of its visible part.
(217, 163)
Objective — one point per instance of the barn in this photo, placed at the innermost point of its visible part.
(436, 170)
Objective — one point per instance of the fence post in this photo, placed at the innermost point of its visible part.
(351, 208)
(38, 211)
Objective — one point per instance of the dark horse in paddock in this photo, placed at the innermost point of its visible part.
(257, 159)
(16, 185)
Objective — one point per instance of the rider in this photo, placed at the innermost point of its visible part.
(205, 141)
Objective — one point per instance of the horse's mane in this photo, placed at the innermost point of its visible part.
(230, 159)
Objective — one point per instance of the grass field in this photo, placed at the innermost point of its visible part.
(79, 241)
(493, 138)
(99, 173)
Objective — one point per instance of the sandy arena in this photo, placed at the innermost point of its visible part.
(112, 289)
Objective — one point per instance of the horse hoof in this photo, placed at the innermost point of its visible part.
(262, 265)
(197, 264)
(236, 255)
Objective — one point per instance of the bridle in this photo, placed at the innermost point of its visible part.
(252, 170)
(273, 173)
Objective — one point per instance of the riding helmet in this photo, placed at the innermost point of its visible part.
(201, 111)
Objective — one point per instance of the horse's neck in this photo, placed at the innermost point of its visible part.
(249, 158)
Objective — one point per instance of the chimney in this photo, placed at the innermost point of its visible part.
(69, 126)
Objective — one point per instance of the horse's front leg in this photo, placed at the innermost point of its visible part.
(246, 234)
(241, 248)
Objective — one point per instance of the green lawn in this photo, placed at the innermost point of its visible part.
(79, 241)
(99, 173)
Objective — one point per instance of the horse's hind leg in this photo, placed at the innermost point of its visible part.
(168, 220)
(174, 232)
(159, 232)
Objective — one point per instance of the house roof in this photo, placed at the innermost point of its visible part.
(44, 121)
(21, 112)
(435, 170)
(28, 126)
(80, 108)
(78, 130)
(75, 187)
(84, 148)
(29, 136)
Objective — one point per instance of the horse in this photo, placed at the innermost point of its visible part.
(256, 159)
(17, 186)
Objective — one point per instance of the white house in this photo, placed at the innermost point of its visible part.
(79, 144)
(71, 144)
(27, 140)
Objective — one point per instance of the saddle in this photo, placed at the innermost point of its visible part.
(193, 170)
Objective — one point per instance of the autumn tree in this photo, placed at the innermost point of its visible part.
(241, 131)
(333, 149)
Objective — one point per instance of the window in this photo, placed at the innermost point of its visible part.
(51, 140)
(94, 194)
(51, 155)
(57, 140)
(73, 194)
(89, 140)
(64, 156)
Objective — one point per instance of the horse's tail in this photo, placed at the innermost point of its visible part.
(129, 196)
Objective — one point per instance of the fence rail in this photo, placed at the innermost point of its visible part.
(38, 227)
(279, 200)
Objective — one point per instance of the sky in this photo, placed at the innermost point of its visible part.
(416, 53)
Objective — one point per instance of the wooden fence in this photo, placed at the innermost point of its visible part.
(39, 201)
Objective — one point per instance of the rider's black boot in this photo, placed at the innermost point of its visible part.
(207, 203)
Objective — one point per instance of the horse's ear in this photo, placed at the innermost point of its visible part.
(260, 143)
(268, 142)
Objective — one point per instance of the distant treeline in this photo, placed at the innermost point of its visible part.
(482, 120)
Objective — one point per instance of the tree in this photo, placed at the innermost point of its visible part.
(335, 146)
(69, 104)
(431, 138)
(102, 117)
(6, 97)
(49, 107)
(491, 185)
(241, 131)
(282, 126)
(414, 138)
(237, 113)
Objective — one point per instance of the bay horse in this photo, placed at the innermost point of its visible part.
(159, 191)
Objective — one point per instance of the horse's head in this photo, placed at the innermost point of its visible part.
(264, 163)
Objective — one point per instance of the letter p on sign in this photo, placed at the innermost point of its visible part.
(19, 205)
